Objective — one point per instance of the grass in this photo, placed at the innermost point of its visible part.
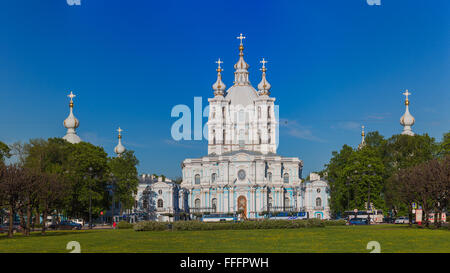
(392, 238)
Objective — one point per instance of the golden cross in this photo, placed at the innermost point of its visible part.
(219, 62)
(263, 63)
(71, 96)
(406, 94)
(120, 131)
(240, 38)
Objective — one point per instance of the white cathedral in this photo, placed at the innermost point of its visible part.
(242, 172)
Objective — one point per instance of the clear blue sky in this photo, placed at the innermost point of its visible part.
(333, 65)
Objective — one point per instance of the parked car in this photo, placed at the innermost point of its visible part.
(389, 220)
(402, 220)
(16, 227)
(67, 225)
(358, 221)
(78, 221)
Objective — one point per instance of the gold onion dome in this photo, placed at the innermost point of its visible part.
(219, 86)
(119, 149)
(71, 123)
(241, 67)
(407, 120)
(264, 86)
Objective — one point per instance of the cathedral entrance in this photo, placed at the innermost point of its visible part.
(242, 206)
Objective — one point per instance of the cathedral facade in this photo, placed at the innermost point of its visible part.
(242, 172)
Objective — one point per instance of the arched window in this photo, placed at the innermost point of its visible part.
(214, 136)
(286, 202)
(318, 202)
(213, 177)
(214, 204)
(286, 178)
(269, 176)
(268, 136)
(197, 203)
(269, 203)
(268, 112)
(197, 179)
(223, 136)
(160, 203)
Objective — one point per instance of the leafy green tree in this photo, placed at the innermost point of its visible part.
(403, 151)
(125, 176)
(49, 158)
(5, 152)
(375, 140)
(339, 188)
(365, 173)
(88, 171)
(444, 146)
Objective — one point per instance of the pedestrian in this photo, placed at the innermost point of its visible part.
(114, 224)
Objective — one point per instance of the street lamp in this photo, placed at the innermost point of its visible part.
(90, 195)
(348, 192)
(113, 185)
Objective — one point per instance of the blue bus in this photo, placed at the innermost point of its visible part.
(287, 215)
(216, 217)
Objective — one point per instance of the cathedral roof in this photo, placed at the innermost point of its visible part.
(241, 95)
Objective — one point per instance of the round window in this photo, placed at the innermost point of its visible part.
(160, 192)
(318, 190)
(241, 174)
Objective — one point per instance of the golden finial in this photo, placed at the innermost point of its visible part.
(362, 132)
(240, 37)
(71, 96)
(263, 69)
(241, 46)
(406, 95)
(219, 62)
(120, 132)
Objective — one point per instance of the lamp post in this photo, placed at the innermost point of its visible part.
(91, 177)
(348, 192)
(113, 184)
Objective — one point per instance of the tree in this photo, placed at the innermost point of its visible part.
(12, 183)
(375, 140)
(88, 173)
(365, 172)
(125, 175)
(339, 184)
(444, 146)
(5, 152)
(53, 190)
(46, 158)
(402, 152)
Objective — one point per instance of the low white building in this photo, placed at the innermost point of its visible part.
(157, 198)
(314, 197)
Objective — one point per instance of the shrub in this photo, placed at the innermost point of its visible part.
(124, 225)
(150, 226)
(262, 224)
(335, 222)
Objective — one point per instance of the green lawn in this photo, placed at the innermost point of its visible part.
(392, 238)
